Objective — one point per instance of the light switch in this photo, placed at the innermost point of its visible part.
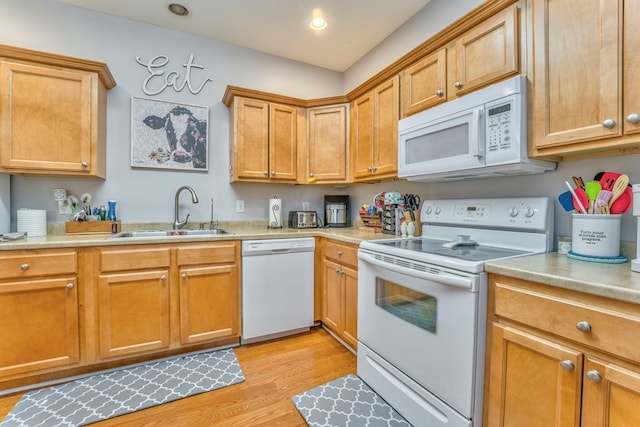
(239, 206)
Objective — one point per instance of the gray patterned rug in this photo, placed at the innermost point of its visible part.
(114, 393)
(346, 402)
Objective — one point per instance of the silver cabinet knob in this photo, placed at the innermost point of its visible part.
(567, 365)
(266, 173)
(84, 164)
(609, 123)
(311, 175)
(339, 253)
(24, 267)
(69, 285)
(163, 277)
(337, 271)
(633, 118)
(439, 93)
(583, 326)
(273, 173)
(184, 275)
(458, 85)
(594, 376)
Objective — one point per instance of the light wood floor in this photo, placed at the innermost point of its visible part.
(274, 372)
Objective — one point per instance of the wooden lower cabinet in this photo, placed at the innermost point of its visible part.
(39, 320)
(340, 291)
(560, 358)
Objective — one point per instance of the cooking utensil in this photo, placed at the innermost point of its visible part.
(566, 201)
(601, 205)
(608, 180)
(623, 203)
(592, 188)
(578, 182)
(579, 198)
(619, 187)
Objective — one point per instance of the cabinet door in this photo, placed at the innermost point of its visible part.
(327, 151)
(209, 303)
(332, 296)
(283, 143)
(577, 86)
(46, 119)
(386, 114)
(488, 52)
(361, 126)
(350, 328)
(425, 83)
(631, 61)
(534, 382)
(611, 395)
(133, 312)
(38, 325)
(250, 152)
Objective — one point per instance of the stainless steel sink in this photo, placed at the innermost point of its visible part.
(169, 233)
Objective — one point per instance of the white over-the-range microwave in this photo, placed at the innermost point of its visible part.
(482, 134)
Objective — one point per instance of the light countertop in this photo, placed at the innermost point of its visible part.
(615, 281)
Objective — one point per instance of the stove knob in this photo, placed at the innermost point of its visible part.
(529, 211)
(513, 212)
(429, 210)
(437, 212)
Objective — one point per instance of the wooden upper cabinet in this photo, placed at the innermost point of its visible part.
(327, 145)
(374, 132)
(52, 114)
(585, 78)
(425, 83)
(487, 53)
(263, 141)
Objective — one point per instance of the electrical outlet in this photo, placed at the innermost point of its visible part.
(305, 206)
(239, 206)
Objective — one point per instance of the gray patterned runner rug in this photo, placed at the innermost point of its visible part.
(346, 402)
(119, 392)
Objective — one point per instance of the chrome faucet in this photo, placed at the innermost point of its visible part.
(194, 198)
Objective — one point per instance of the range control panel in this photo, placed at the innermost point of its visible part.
(525, 213)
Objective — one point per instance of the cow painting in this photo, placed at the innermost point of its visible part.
(186, 137)
(169, 135)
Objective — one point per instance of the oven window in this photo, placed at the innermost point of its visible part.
(409, 305)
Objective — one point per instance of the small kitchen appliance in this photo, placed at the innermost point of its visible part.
(336, 211)
(422, 304)
(482, 134)
(303, 219)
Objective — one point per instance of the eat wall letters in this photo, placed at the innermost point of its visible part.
(158, 80)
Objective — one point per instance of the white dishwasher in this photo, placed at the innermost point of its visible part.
(277, 287)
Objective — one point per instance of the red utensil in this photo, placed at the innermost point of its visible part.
(582, 196)
(608, 179)
(622, 203)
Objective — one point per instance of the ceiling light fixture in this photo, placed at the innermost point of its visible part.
(178, 9)
(318, 23)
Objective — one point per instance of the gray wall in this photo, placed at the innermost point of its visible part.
(147, 195)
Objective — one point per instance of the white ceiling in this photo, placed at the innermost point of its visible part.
(277, 27)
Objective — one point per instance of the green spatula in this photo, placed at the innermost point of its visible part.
(592, 188)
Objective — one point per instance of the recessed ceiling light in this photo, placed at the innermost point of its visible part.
(318, 22)
(178, 9)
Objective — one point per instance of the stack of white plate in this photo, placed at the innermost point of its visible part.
(33, 222)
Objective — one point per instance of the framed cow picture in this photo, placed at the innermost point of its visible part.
(169, 135)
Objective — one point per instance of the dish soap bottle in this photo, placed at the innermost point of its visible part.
(111, 213)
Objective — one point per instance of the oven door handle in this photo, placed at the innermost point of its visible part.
(444, 278)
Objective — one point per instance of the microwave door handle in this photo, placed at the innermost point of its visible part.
(476, 137)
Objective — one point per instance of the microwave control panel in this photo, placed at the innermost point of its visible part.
(503, 130)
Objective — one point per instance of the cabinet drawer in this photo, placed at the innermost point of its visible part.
(344, 254)
(33, 263)
(606, 329)
(134, 259)
(223, 252)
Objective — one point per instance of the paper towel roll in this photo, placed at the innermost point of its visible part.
(275, 213)
(32, 221)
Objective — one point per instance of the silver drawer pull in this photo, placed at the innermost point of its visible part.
(69, 285)
(609, 123)
(633, 118)
(583, 326)
(184, 275)
(163, 277)
(24, 267)
(567, 365)
(594, 376)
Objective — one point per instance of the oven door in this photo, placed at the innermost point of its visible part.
(452, 143)
(427, 321)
